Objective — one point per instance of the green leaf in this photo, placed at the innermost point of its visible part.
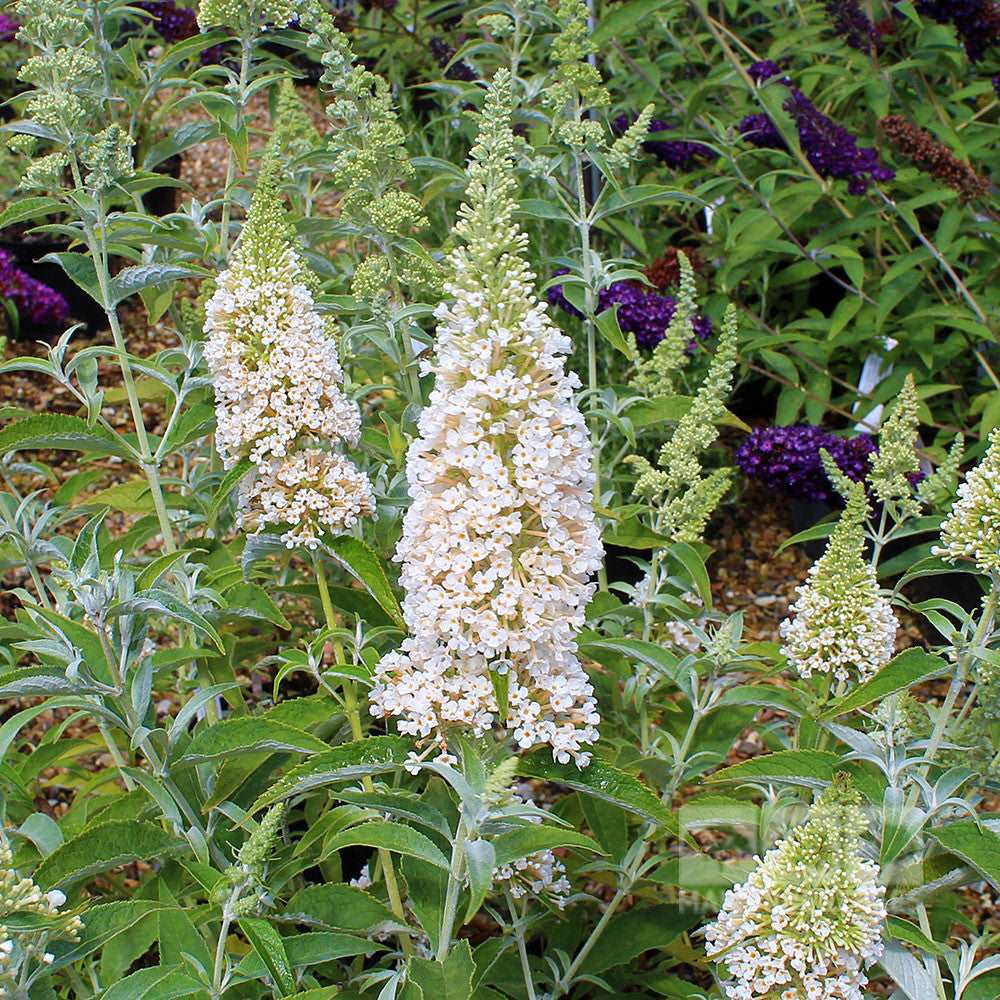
(811, 768)
(230, 481)
(29, 208)
(337, 905)
(602, 780)
(611, 331)
(130, 280)
(623, 19)
(80, 270)
(365, 566)
(660, 659)
(270, 949)
(389, 837)
(374, 755)
(448, 980)
(247, 600)
(103, 847)
(161, 982)
(516, 844)
(313, 948)
(641, 929)
(162, 601)
(974, 844)
(158, 568)
(912, 666)
(102, 924)
(718, 810)
(244, 734)
(637, 196)
(62, 432)
(480, 860)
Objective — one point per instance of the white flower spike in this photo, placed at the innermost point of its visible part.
(500, 542)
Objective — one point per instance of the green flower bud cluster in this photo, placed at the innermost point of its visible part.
(578, 84)
(809, 919)
(682, 495)
(245, 17)
(656, 374)
(370, 164)
(65, 97)
(109, 157)
(938, 489)
(841, 624)
(263, 841)
(294, 131)
(972, 528)
(50, 24)
(896, 458)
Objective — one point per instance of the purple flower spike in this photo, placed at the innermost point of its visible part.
(8, 28)
(829, 147)
(787, 459)
(643, 312)
(171, 23)
(40, 305)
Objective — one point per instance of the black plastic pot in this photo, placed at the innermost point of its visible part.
(162, 201)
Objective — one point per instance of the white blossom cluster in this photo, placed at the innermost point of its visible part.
(21, 895)
(309, 489)
(841, 624)
(808, 921)
(972, 528)
(278, 385)
(538, 874)
(500, 541)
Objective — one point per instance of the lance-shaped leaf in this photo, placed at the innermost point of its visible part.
(530, 839)
(912, 666)
(62, 432)
(270, 949)
(363, 563)
(243, 735)
(974, 844)
(388, 836)
(103, 847)
(374, 755)
(602, 780)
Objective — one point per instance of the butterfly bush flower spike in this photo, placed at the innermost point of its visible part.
(500, 542)
(972, 528)
(841, 624)
(808, 921)
(279, 383)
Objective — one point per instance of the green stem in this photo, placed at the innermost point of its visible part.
(522, 948)
(99, 254)
(452, 894)
(565, 983)
(590, 304)
(246, 50)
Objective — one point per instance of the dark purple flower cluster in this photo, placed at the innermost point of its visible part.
(977, 22)
(763, 70)
(681, 154)
(829, 147)
(8, 28)
(996, 85)
(35, 302)
(850, 22)
(443, 53)
(643, 312)
(171, 23)
(787, 459)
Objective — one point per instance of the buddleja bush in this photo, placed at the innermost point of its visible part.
(344, 697)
